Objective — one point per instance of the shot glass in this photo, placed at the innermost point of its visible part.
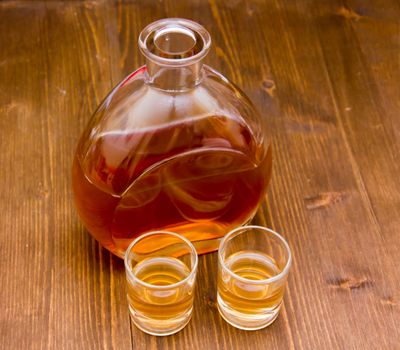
(253, 265)
(160, 270)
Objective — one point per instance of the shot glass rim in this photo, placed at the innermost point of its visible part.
(277, 277)
(148, 285)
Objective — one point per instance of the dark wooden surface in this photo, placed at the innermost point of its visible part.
(333, 66)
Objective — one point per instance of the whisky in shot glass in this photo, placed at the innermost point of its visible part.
(254, 262)
(160, 271)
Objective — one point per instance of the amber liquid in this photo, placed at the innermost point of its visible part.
(200, 177)
(161, 304)
(249, 298)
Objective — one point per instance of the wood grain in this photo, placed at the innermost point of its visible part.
(334, 69)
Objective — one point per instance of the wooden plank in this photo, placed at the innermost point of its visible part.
(334, 194)
(347, 241)
(59, 289)
(367, 101)
(369, 83)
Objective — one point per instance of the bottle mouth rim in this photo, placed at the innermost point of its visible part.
(192, 42)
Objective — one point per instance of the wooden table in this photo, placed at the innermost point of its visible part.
(334, 68)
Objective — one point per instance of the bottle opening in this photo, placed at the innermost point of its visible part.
(174, 41)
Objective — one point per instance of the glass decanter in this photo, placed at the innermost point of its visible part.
(175, 146)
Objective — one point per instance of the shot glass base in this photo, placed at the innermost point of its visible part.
(248, 322)
(160, 327)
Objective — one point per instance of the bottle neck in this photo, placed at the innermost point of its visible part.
(172, 78)
(174, 49)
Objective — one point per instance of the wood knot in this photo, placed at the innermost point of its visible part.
(348, 13)
(249, 9)
(269, 87)
(388, 301)
(323, 199)
(61, 91)
(350, 283)
(210, 301)
(42, 192)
